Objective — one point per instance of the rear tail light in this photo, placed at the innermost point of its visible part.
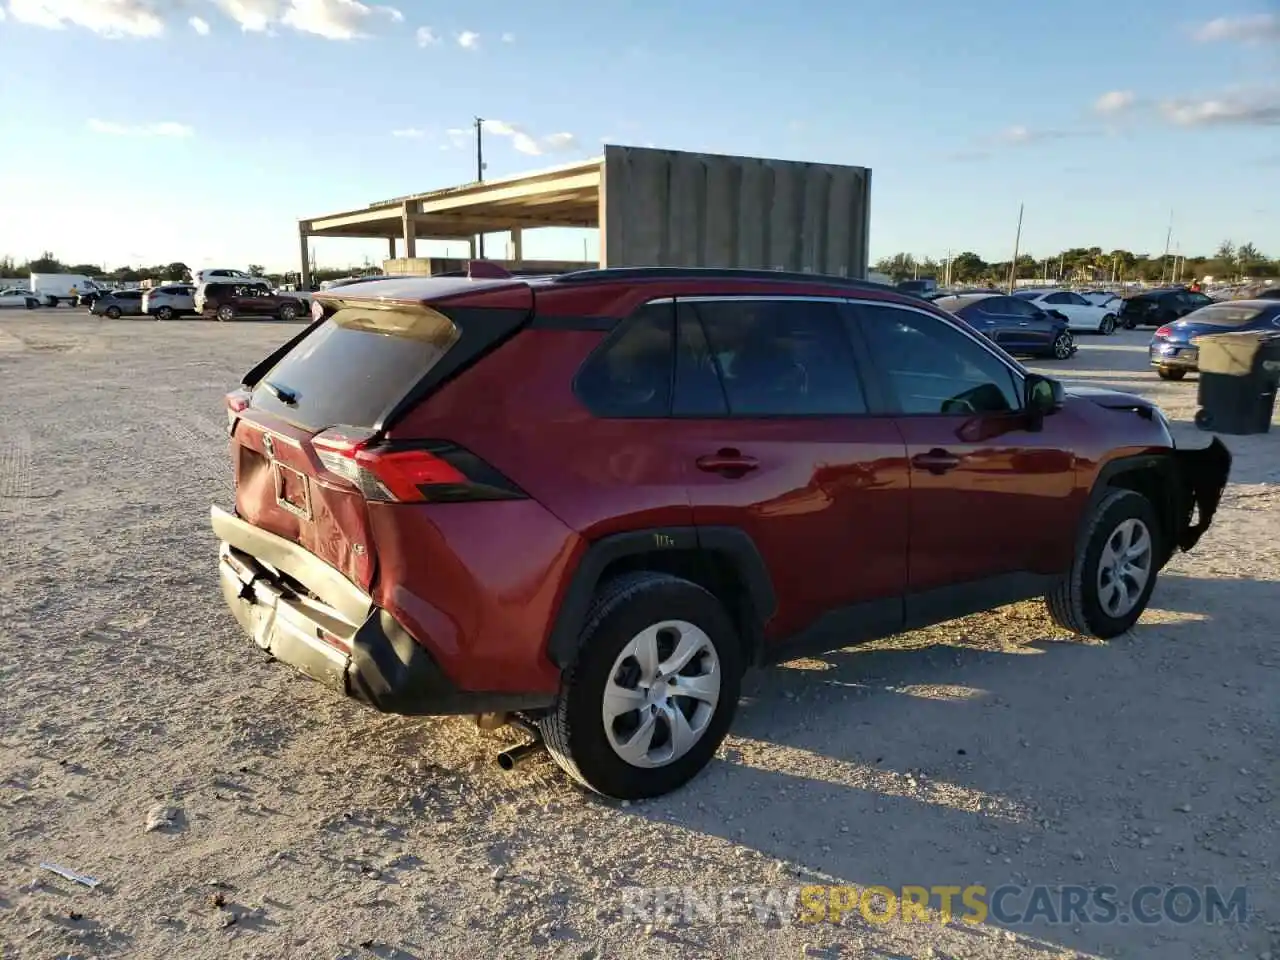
(1165, 331)
(419, 471)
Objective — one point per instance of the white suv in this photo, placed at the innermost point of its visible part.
(220, 273)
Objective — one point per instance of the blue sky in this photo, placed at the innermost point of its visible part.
(202, 130)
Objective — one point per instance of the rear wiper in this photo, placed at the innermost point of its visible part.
(283, 394)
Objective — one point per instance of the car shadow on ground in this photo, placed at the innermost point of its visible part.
(963, 764)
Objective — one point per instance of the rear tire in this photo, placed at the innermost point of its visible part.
(225, 313)
(1062, 345)
(164, 313)
(113, 313)
(1170, 373)
(625, 611)
(1081, 601)
(288, 313)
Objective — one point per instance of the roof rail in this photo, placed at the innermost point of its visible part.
(605, 274)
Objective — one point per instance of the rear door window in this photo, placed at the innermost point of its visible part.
(355, 367)
(783, 357)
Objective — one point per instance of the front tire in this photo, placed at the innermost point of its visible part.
(225, 313)
(1170, 373)
(1108, 325)
(1114, 571)
(288, 313)
(164, 313)
(113, 313)
(653, 691)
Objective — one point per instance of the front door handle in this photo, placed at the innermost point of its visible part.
(727, 461)
(936, 461)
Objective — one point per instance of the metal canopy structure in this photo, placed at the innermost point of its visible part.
(567, 196)
(652, 207)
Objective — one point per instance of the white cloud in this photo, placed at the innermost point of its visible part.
(1258, 108)
(469, 40)
(331, 19)
(409, 133)
(427, 37)
(108, 18)
(162, 129)
(1114, 101)
(200, 26)
(508, 38)
(527, 143)
(2, 14)
(1251, 28)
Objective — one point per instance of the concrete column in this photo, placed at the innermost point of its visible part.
(391, 248)
(517, 245)
(410, 237)
(304, 280)
(472, 245)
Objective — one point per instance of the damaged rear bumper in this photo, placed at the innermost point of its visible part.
(1202, 477)
(305, 613)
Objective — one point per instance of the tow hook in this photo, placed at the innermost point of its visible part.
(508, 759)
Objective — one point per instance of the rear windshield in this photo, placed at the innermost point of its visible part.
(1224, 315)
(355, 366)
(1027, 294)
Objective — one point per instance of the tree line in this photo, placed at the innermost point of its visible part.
(1088, 265)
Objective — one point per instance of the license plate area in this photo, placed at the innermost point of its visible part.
(293, 491)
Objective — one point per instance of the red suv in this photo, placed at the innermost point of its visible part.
(586, 503)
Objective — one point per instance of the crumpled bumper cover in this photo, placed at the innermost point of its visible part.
(1203, 474)
(337, 635)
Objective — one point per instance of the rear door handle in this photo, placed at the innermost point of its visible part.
(936, 461)
(727, 462)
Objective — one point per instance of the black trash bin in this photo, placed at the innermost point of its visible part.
(1238, 377)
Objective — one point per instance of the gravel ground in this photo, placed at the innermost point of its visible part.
(989, 750)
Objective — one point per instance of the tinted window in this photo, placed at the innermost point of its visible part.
(1075, 300)
(1027, 294)
(1225, 315)
(932, 368)
(783, 357)
(356, 365)
(1058, 298)
(698, 392)
(1018, 308)
(631, 375)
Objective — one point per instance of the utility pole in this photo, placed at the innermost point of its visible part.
(1017, 240)
(480, 175)
(1164, 261)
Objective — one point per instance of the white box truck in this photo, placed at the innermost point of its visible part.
(55, 288)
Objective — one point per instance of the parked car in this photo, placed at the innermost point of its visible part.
(227, 300)
(221, 274)
(169, 301)
(1174, 350)
(1113, 302)
(1081, 314)
(115, 304)
(586, 503)
(1019, 326)
(1270, 293)
(919, 288)
(21, 299)
(1155, 308)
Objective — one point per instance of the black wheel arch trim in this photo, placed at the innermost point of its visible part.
(730, 543)
(1192, 480)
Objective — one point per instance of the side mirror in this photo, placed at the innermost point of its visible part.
(1044, 395)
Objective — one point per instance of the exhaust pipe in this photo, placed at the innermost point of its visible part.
(508, 759)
